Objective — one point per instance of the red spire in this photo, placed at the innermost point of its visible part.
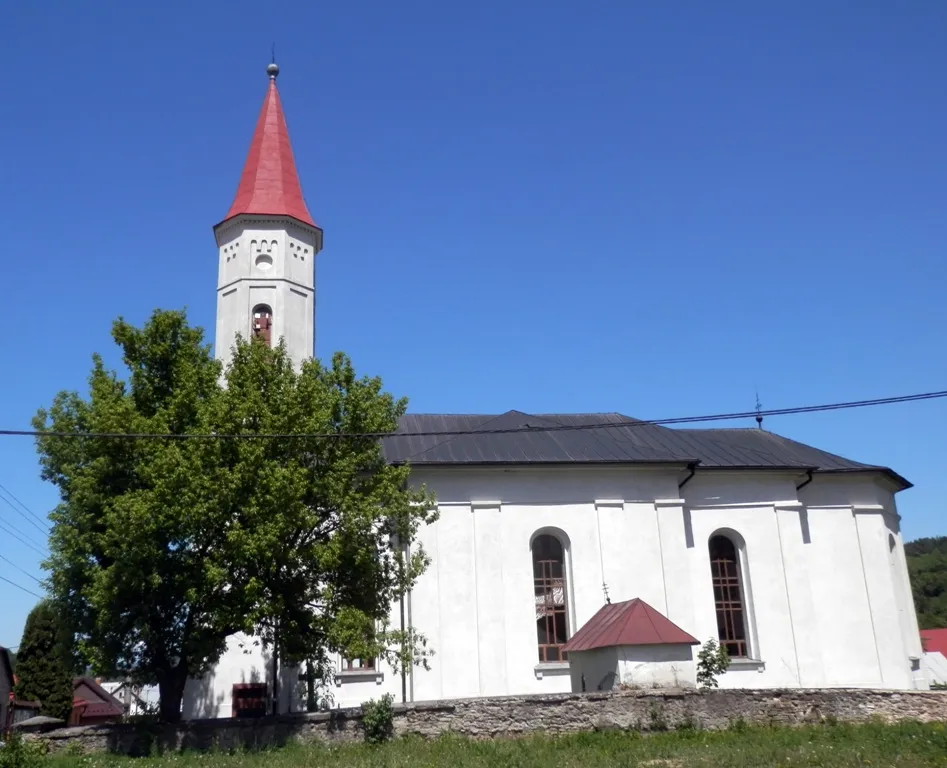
(269, 184)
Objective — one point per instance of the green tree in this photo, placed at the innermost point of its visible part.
(43, 671)
(927, 564)
(162, 548)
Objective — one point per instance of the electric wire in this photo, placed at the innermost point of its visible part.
(487, 431)
(29, 511)
(15, 535)
(39, 528)
(18, 586)
(21, 570)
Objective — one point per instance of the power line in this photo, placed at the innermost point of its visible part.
(9, 493)
(23, 541)
(21, 570)
(28, 591)
(6, 501)
(510, 430)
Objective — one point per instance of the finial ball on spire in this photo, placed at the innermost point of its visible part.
(272, 70)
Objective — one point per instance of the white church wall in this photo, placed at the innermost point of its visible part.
(826, 595)
(769, 628)
(482, 569)
(242, 662)
(843, 613)
(795, 538)
(910, 629)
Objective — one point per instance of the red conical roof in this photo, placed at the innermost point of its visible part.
(632, 622)
(269, 184)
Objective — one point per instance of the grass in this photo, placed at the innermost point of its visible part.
(906, 745)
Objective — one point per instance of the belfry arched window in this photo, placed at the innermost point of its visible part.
(729, 595)
(262, 326)
(551, 596)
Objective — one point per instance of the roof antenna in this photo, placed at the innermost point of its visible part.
(273, 54)
(608, 600)
(759, 411)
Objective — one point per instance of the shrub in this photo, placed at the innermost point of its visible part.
(712, 660)
(378, 719)
(16, 752)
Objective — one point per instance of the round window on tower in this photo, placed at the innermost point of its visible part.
(263, 261)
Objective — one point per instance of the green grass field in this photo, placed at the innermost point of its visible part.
(904, 746)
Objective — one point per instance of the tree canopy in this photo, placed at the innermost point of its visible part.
(161, 548)
(927, 564)
(43, 664)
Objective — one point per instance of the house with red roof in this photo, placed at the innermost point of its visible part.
(632, 644)
(935, 655)
(934, 640)
(92, 704)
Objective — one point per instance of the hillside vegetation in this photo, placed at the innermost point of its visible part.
(927, 563)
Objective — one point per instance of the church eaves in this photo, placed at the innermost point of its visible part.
(269, 184)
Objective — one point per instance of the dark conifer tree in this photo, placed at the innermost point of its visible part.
(42, 669)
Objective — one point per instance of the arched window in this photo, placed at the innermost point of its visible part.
(262, 323)
(549, 581)
(728, 596)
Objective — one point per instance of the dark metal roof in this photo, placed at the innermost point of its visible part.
(629, 441)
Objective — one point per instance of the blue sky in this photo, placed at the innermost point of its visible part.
(651, 208)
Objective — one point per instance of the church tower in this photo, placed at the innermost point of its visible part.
(267, 246)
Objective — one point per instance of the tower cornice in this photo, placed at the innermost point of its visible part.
(288, 223)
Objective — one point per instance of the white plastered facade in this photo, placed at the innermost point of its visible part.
(826, 590)
(267, 261)
(633, 666)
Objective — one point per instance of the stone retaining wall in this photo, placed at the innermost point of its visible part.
(517, 715)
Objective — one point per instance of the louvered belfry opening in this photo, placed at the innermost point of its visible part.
(549, 578)
(263, 323)
(728, 596)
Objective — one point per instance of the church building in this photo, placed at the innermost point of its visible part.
(790, 556)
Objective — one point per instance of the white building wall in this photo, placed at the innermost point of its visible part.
(635, 666)
(594, 670)
(657, 666)
(267, 261)
(827, 597)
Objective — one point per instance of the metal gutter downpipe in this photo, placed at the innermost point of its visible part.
(693, 468)
(806, 481)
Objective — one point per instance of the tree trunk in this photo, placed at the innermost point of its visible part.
(310, 688)
(171, 691)
(275, 672)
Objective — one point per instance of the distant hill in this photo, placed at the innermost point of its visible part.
(927, 562)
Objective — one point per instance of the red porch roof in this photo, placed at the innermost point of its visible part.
(632, 622)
